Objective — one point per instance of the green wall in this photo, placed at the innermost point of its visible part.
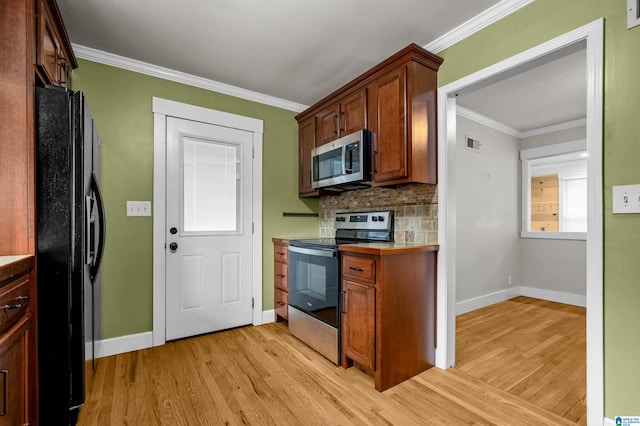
(536, 23)
(120, 102)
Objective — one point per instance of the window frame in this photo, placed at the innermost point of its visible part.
(527, 156)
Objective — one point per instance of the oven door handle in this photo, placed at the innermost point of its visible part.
(314, 252)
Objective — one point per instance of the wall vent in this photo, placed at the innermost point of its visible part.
(472, 144)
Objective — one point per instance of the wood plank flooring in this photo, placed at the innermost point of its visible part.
(264, 376)
(530, 348)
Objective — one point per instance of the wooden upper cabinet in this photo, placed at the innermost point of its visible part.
(306, 142)
(54, 56)
(389, 124)
(404, 127)
(347, 116)
(396, 102)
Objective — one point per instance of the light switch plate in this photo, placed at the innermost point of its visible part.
(138, 208)
(626, 199)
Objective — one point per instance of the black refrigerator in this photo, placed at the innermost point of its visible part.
(70, 244)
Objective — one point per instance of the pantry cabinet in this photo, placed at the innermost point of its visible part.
(396, 102)
(388, 310)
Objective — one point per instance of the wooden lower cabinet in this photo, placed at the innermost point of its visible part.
(389, 311)
(281, 278)
(14, 374)
(17, 362)
(359, 319)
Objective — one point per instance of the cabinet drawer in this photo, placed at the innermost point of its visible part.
(281, 299)
(14, 299)
(359, 268)
(281, 253)
(281, 276)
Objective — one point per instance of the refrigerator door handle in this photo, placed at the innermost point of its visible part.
(89, 203)
(102, 221)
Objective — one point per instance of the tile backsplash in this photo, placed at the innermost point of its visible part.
(415, 208)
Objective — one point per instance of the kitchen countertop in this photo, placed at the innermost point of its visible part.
(384, 249)
(11, 266)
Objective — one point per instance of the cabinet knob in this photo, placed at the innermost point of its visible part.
(353, 268)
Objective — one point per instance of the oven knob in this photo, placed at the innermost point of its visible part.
(380, 218)
(374, 218)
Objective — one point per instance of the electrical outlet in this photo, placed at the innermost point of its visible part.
(138, 208)
(626, 199)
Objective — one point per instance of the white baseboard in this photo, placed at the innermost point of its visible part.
(485, 300)
(268, 316)
(499, 296)
(134, 342)
(122, 344)
(554, 296)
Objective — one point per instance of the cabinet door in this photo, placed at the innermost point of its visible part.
(353, 113)
(13, 375)
(328, 124)
(48, 48)
(358, 323)
(306, 142)
(389, 122)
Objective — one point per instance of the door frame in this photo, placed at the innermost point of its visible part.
(592, 34)
(163, 108)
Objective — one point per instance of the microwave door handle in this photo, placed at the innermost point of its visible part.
(345, 170)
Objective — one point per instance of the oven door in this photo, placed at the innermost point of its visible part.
(314, 282)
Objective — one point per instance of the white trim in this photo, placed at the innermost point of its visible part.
(445, 355)
(135, 342)
(475, 24)
(487, 122)
(509, 293)
(268, 316)
(134, 65)
(554, 128)
(485, 300)
(554, 235)
(163, 108)
(553, 296)
(608, 422)
(508, 130)
(123, 344)
(555, 149)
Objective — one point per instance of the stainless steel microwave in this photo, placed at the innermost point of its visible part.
(342, 164)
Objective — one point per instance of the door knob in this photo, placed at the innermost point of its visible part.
(173, 246)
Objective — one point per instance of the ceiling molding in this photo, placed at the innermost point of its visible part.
(496, 125)
(475, 24)
(487, 122)
(554, 128)
(134, 65)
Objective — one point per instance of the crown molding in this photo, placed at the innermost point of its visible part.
(487, 122)
(496, 125)
(475, 24)
(134, 65)
(554, 128)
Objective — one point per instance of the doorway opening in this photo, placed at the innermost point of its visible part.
(588, 38)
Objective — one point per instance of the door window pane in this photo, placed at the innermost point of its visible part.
(210, 187)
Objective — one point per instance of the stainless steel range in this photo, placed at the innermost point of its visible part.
(314, 278)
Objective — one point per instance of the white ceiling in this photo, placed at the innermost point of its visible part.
(547, 95)
(300, 50)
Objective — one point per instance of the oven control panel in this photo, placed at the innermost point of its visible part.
(379, 220)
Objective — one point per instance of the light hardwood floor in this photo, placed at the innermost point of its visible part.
(530, 348)
(264, 376)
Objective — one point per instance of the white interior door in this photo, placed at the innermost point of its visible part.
(208, 228)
